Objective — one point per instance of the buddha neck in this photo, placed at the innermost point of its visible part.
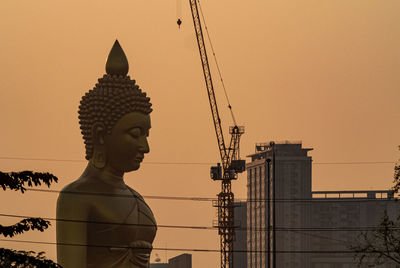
(106, 176)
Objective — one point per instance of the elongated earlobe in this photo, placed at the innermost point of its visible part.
(99, 158)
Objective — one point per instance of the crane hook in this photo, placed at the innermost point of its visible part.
(179, 22)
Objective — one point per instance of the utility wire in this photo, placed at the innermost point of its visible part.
(82, 161)
(208, 199)
(283, 229)
(355, 163)
(113, 223)
(192, 249)
(193, 163)
(320, 236)
(127, 195)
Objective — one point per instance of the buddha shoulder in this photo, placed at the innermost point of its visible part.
(134, 193)
(73, 201)
(81, 185)
(78, 193)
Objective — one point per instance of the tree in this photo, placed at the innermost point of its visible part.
(396, 180)
(13, 258)
(382, 244)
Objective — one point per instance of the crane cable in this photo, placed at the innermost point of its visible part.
(179, 12)
(216, 63)
(178, 9)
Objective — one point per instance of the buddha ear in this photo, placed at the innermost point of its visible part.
(99, 133)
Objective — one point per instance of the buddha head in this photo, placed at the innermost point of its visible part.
(114, 118)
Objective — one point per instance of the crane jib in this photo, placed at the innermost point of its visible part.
(208, 79)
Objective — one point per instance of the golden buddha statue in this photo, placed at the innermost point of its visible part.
(101, 221)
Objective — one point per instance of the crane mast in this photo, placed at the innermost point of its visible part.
(230, 159)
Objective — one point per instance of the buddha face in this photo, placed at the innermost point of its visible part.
(126, 145)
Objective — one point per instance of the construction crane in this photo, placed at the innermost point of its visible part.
(230, 156)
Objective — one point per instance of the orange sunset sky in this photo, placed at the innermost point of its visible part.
(324, 72)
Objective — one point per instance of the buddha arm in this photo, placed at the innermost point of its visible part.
(71, 235)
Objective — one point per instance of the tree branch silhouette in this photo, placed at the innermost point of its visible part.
(23, 226)
(383, 244)
(17, 180)
(23, 259)
(19, 258)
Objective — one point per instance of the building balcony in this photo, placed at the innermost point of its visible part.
(380, 194)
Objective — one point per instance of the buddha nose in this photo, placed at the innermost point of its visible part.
(144, 148)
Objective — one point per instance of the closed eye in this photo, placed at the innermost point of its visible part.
(135, 132)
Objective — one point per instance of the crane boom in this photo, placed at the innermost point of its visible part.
(231, 163)
(208, 79)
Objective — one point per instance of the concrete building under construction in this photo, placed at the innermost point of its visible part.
(312, 229)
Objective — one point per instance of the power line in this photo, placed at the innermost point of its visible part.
(320, 236)
(354, 163)
(192, 249)
(191, 163)
(208, 199)
(83, 161)
(114, 223)
(127, 195)
(291, 229)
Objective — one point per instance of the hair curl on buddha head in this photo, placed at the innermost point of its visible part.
(114, 96)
